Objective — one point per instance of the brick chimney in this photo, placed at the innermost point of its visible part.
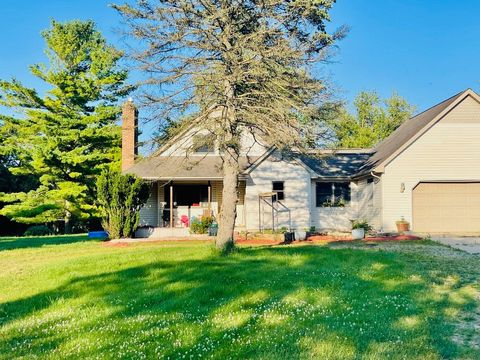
(129, 134)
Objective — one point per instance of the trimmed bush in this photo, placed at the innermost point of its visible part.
(38, 230)
(120, 198)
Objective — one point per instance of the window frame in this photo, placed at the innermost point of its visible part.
(278, 191)
(333, 194)
(205, 144)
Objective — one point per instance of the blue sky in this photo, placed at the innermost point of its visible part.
(426, 50)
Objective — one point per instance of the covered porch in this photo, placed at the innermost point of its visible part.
(174, 204)
(183, 188)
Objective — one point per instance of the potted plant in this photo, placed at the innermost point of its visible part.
(310, 232)
(288, 235)
(402, 225)
(359, 228)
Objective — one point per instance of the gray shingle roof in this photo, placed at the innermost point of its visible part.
(334, 164)
(177, 167)
(337, 164)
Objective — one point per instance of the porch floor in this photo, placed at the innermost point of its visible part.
(163, 233)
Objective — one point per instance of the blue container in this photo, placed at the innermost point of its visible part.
(213, 230)
(98, 235)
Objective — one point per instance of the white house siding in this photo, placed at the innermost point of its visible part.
(377, 208)
(369, 201)
(149, 212)
(240, 220)
(334, 218)
(251, 146)
(297, 193)
(365, 204)
(183, 145)
(449, 151)
(363, 198)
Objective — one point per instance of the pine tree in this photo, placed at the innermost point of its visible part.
(67, 136)
(248, 62)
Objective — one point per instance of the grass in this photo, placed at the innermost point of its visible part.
(65, 297)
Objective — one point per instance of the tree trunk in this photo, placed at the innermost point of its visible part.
(228, 212)
(68, 224)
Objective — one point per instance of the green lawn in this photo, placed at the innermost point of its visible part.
(65, 297)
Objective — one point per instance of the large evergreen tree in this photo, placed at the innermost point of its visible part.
(68, 135)
(373, 120)
(241, 65)
(12, 183)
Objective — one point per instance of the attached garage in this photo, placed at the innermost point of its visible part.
(446, 207)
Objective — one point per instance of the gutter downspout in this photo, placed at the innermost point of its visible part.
(375, 176)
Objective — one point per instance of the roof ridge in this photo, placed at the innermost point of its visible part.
(417, 115)
(440, 103)
(409, 129)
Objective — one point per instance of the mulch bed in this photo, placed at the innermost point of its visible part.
(323, 239)
(263, 241)
(335, 238)
(393, 238)
(255, 241)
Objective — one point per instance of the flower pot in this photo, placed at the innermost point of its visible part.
(358, 234)
(403, 226)
(300, 235)
(288, 237)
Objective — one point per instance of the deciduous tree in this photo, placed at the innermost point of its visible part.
(242, 66)
(374, 119)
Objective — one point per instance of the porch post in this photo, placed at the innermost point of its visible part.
(171, 205)
(209, 198)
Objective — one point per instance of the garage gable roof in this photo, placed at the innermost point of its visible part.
(411, 130)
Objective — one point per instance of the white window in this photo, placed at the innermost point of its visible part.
(331, 194)
(278, 187)
(203, 144)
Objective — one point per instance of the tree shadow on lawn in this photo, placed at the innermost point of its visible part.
(12, 243)
(257, 303)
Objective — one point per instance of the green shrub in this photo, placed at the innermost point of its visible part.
(120, 198)
(200, 226)
(361, 224)
(38, 230)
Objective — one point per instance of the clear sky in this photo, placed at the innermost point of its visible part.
(426, 50)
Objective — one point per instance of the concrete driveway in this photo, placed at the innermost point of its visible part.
(467, 244)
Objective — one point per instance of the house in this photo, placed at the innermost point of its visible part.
(427, 172)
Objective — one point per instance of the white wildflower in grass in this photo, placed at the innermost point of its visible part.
(179, 302)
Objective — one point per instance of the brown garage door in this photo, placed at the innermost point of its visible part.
(446, 208)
